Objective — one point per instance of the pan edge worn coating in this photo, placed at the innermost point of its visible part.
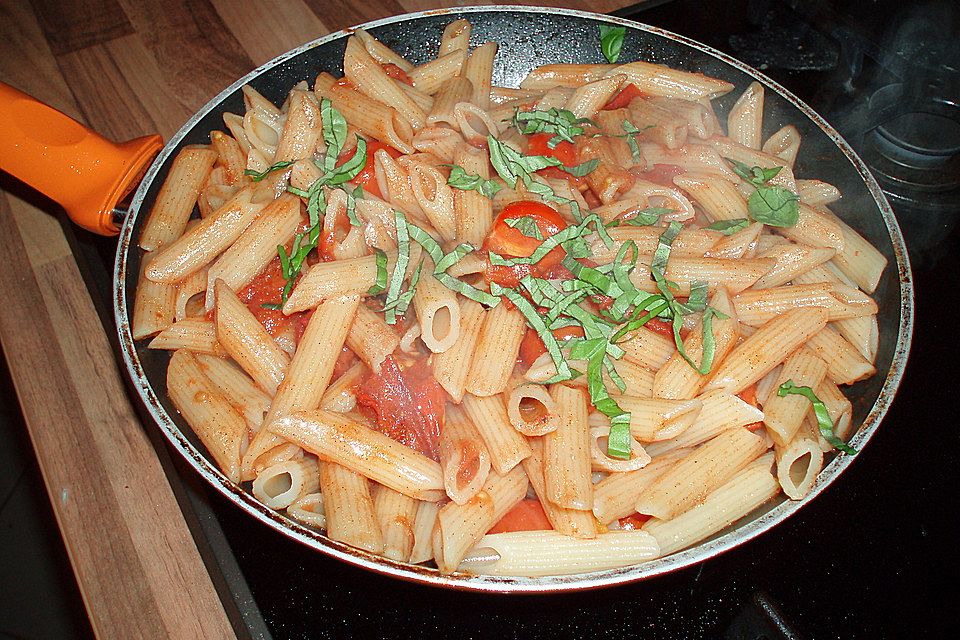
(525, 37)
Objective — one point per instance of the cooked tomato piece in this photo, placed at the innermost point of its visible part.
(565, 152)
(662, 174)
(532, 346)
(510, 242)
(406, 402)
(367, 178)
(267, 288)
(527, 515)
(662, 327)
(633, 522)
(624, 97)
(396, 72)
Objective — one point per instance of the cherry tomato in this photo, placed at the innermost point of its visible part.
(407, 403)
(565, 152)
(396, 73)
(527, 515)
(510, 242)
(624, 97)
(532, 346)
(367, 178)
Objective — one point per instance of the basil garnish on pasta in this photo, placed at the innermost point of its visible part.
(611, 41)
(560, 122)
(260, 175)
(770, 204)
(824, 423)
(729, 227)
(460, 179)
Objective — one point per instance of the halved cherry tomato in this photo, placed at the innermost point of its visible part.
(367, 178)
(532, 346)
(633, 521)
(527, 515)
(407, 403)
(510, 242)
(662, 174)
(624, 97)
(396, 73)
(565, 152)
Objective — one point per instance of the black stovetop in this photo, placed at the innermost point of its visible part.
(870, 557)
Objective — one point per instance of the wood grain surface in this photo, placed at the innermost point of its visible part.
(127, 68)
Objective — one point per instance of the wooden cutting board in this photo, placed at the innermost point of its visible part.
(127, 68)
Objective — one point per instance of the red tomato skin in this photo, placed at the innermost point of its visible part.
(509, 242)
(267, 288)
(532, 346)
(624, 97)
(396, 72)
(565, 152)
(634, 521)
(367, 178)
(407, 404)
(527, 515)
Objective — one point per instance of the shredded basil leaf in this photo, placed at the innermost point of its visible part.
(824, 423)
(774, 205)
(467, 290)
(525, 225)
(260, 175)
(399, 269)
(611, 41)
(453, 257)
(352, 205)
(729, 227)
(334, 133)
(460, 179)
(643, 218)
(349, 169)
(630, 134)
(273, 306)
(381, 284)
(560, 122)
(582, 169)
(538, 324)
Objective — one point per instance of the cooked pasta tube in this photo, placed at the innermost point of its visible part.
(302, 129)
(608, 180)
(352, 276)
(190, 287)
(452, 92)
(845, 364)
(381, 52)
(371, 338)
(463, 457)
(614, 497)
(792, 260)
(456, 37)
(348, 507)
(783, 415)
(239, 390)
(201, 244)
(497, 347)
(757, 306)
(154, 305)
(785, 144)
(548, 76)
(231, 157)
(473, 211)
(578, 523)
(531, 409)
(676, 378)
(701, 121)
(721, 411)
(371, 117)
(769, 346)
(438, 312)
(247, 342)
(309, 510)
(430, 76)
(600, 458)
(590, 98)
(506, 446)
(220, 427)
(423, 532)
(306, 377)
(735, 275)
(717, 196)
(697, 159)
(858, 259)
(178, 194)
(459, 527)
(730, 148)
(815, 229)
(194, 334)
(798, 463)
(745, 121)
(478, 69)
(638, 379)
(341, 395)
(279, 485)
(817, 193)
(566, 451)
(548, 553)
(689, 243)
(451, 367)
(839, 408)
(707, 467)
(653, 419)
(368, 76)
(725, 505)
(658, 123)
(741, 244)
(342, 439)
(660, 80)
(648, 349)
(396, 514)
(434, 197)
(438, 141)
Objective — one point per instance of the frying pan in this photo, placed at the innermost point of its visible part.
(528, 37)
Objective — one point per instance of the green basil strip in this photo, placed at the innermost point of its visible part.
(334, 133)
(709, 342)
(381, 284)
(630, 134)
(425, 240)
(467, 290)
(273, 306)
(297, 192)
(619, 440)
(582, 169)
(643, 218)
(460, 179)
(537, 323)
(352, 205)
(561, 122)
(452, 258)
(660, 257)
(284, 261)
(611, 41)
(403, 301)
(260, 175)
(400, 268)
(525, 225)
(820, 411)
(349, 169)
(729, 227)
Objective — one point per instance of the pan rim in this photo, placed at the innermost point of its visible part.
(491, 584)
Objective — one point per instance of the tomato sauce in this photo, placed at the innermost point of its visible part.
(406, 402)
(267, 288)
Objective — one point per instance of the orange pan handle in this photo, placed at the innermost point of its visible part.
(76, 167)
